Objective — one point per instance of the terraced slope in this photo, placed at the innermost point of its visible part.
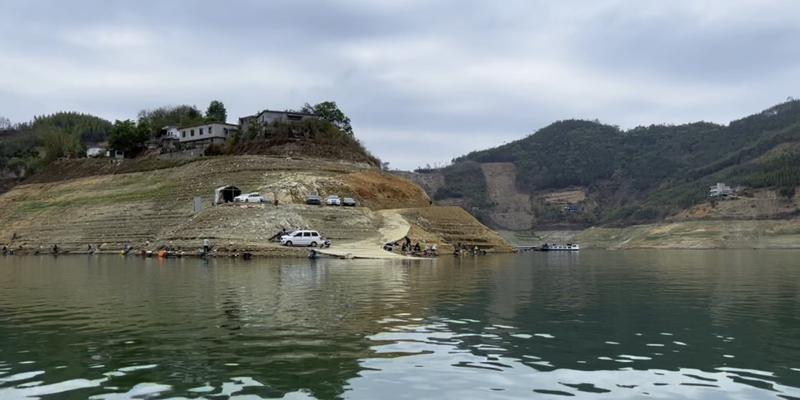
(157, 206)
(451, 225)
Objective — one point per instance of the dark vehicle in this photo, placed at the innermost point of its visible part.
(348, 202)
(313, 200)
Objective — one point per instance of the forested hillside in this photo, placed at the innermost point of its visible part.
(30, 147)
(639, 175)
(27, 146)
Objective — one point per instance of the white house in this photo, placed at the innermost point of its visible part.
(720, 190)
(268, 117)
(172, 132)
(209, 133)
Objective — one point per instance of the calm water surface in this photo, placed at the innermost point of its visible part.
(605, 325)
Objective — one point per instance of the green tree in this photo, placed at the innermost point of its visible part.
(87, 127)
(216, 112)
(128, 137)
(329, 111)
(59, 144)
(158, 118)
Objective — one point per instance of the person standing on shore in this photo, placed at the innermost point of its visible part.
(206, 246)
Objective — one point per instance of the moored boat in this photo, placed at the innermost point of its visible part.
(560, 247)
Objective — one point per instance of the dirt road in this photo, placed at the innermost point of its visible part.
(393, 228)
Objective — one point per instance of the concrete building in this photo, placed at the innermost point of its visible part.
(268, 117)
(171, 132)
(204, 134)
(116, 154)
(720, 190)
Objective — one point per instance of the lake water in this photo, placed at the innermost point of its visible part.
(594, 324)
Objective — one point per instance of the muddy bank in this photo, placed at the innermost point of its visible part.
(723, 234)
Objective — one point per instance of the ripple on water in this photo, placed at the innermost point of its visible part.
(520, 377)
(20, 376)
(138, 391)
(163, 332)
(521, 335)
(637, 358)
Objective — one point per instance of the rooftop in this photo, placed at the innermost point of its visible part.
(280, 112)
(208, 123)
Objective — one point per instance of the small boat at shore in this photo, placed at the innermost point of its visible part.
(560, 247)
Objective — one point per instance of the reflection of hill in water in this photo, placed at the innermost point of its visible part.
(363, 329)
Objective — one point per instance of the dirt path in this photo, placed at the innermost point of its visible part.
(393, 228)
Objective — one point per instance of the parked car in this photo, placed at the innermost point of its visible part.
(348, 202)
(250, 198)
(333, 200)
(313, 200)
(304, 238)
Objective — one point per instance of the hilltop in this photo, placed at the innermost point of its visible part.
(155, 185)
(575, 174)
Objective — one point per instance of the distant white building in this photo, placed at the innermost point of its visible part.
(267, 117)
(210, 133)
(720, 190)
(171, 132)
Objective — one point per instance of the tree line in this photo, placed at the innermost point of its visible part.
(28, 146)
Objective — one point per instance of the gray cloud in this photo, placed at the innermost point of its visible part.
(423, 82)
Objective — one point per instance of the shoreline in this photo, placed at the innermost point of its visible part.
(681, 235)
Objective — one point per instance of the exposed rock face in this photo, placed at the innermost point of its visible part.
(428, 181)
(512, 210)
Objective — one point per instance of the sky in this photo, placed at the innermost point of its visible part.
(422, 81)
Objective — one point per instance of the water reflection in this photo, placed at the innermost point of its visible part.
(595, 324)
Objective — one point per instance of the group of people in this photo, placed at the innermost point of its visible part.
(7, 251)
(462, 249)
(406, 248)
(163, 250)
(231, 250)
(41, 250)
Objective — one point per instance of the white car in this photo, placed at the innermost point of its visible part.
(333, 200)
(250, 198)
(304, 238)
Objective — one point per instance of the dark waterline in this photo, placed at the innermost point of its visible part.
(608, 325)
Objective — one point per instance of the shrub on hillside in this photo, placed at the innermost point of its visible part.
(310, 138)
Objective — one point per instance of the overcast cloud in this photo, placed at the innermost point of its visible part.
(423, 81)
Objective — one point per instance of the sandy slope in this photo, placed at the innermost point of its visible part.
(393, 228)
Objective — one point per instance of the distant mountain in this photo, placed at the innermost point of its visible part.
(578, 173)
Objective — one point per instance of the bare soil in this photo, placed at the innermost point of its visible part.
(512, 208)
(151, 208)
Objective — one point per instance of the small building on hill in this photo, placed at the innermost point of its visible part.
(225, 194)
(720, 190)
(206, 134)
(268, 117)
(115, 154)
(170, 132)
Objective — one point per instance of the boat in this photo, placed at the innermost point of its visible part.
(560, 247)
